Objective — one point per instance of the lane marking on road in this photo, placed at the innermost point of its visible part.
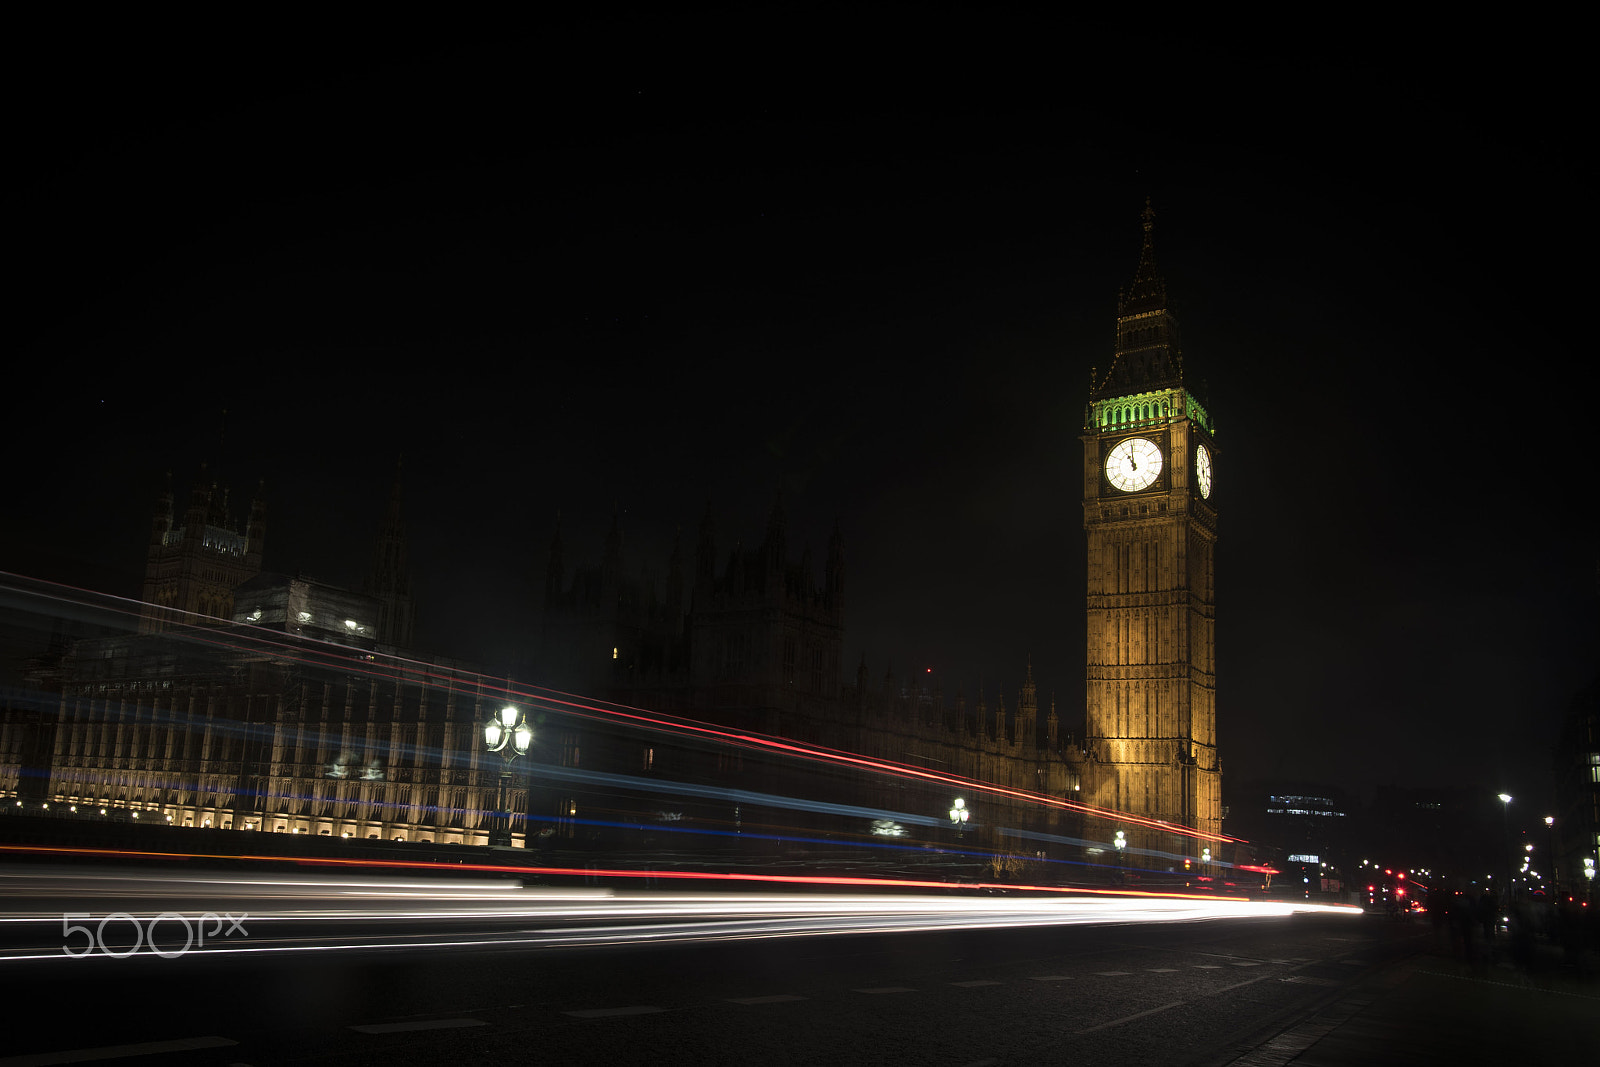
(1206, 966)
(1050, 978)
(1111, 974)
(115, 1052)
(776, 998)
(1174, 1004)
(1245, 963)
(416, 1024)
(1130, 1018)
(606, 1013)
(975, 983)
(888, 989)
(1239, 985)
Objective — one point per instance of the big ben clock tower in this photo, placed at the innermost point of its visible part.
(1150, 486)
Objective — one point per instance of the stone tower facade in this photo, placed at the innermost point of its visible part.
(193, 567)
(1149, 510)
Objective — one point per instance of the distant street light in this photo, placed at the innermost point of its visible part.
(510, 735)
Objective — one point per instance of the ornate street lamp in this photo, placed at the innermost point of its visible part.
(509, 734)
(959, 813)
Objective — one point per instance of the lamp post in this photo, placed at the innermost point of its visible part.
(1505, 807)
(510, 735)
(959, 813)
(1555, 875)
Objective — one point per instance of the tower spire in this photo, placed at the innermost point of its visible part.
(1148, 356)
(1149, 289)
(390, 580)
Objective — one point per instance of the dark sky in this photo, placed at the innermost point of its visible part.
(618, 266)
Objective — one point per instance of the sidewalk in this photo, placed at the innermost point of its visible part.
(1439, 1007)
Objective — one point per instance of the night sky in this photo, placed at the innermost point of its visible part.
(610, 268)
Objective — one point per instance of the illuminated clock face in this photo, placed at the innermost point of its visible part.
(1133, 464)
(1202, 470)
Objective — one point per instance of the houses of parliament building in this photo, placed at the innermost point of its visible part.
(244, 699)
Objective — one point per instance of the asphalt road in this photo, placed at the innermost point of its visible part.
(308, 969)
(1134, 993)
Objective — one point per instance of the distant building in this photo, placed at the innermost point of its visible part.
(1576, 830)
(1458, 831)
(1296, 822)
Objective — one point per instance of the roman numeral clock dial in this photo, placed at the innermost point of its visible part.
(1134, 464)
